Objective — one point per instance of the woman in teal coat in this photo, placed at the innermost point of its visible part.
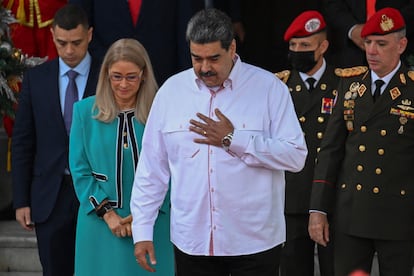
(105, 142)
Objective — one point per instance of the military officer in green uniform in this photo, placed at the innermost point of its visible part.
(364, 172)
(312, 85)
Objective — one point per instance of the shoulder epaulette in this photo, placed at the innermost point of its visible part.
(283, 75)
(411, 75)
(351, 72)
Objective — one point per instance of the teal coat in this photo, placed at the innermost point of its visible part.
(102, 159)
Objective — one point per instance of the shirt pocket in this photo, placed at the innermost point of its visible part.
(179, 140)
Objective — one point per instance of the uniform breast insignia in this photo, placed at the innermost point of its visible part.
(403, 121)
(395, 93)
(361, 90)
(349, 104)
(327, 105)
(283, 75)
(404, 111)
(405, 105)
(411, 75)
(402, 79)
(350, 72)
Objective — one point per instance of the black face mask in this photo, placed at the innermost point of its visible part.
(302, 61)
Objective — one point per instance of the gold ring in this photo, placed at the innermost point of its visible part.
(205, 132)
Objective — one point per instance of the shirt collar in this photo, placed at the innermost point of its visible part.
(228, 83)
(82, 68)
(386, 78)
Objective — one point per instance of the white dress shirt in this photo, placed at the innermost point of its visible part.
(222, 203)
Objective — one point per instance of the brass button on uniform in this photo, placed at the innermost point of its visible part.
(375, 190)
(381, 151)
(343, 186)
(362, 148)
(302, 119)
(363, 128)
(378, 171)
(321, 120)
(383, 132)
(319, 135)
(359, 187)
(318, 149)
(402, 192)
(360, 168)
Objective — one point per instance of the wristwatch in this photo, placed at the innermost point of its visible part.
(105, 208)
(226, 141)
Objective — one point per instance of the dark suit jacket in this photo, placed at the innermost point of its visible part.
(365, 165)
(341, 15)
(40, 142)
(157, 29)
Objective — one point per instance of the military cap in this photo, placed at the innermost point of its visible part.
(305, 24)
(384, 21)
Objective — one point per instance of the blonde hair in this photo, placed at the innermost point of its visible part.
(130, 50)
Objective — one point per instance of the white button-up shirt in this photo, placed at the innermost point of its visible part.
(222, 203)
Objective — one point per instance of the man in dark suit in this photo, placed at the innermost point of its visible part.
(312, 84)
(347, 17)
(156, 28)
(43, 193)
(364, 168)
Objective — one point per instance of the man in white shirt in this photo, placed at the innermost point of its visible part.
(224, 132)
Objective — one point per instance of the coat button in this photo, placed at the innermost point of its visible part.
(360, 168)
(359, 187)
(363, 128)
(362, 148)
(381, 151)
(343, 186)
(402, 192)
(302, 119)
(378, 171)
(319, 135)
(321, 119)
(383, 132)
(375, 190)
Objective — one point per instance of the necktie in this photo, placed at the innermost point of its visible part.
(378, 84)
(370, 8)
(311, 82)
(134, 8)
(71, 97)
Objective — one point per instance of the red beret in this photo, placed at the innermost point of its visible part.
(384, 21)
(306, 24)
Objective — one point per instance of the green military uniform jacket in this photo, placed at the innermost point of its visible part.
(364, 172)
(313, 110)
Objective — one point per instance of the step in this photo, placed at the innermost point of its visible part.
(18, 250)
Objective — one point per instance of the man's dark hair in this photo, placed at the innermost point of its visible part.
(70, 17)
(210, 25)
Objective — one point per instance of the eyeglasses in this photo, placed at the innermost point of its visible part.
(128, 78)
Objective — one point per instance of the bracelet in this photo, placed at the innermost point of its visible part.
(103, 209)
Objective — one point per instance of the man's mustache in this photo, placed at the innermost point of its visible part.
(207, 74)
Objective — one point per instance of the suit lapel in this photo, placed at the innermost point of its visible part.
(93, 76)
(51, 88)
(391, 93)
